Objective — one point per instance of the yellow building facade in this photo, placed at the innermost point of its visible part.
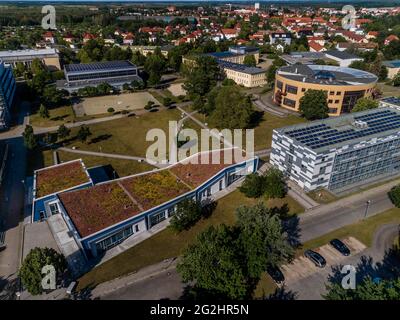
(344, 86)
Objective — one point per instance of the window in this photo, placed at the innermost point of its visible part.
(289, 102)
(336, 101)
(332, 110)
(331, 93)
(279, 84)
(220, 185)
(54, 209)
(171, 211)
(291, 89)
(338, 93)
(42, 215)
(303, 89)
(114, 239)
(157, 218)
(136, 228)
(330, 101)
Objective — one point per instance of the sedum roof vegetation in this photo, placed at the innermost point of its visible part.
(61, 177)
(104, 205)
(98, 207)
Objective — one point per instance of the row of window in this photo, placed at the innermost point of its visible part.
(116, 238)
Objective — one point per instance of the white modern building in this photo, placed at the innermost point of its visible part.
(339, 153)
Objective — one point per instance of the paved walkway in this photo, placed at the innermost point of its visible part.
(111, 155)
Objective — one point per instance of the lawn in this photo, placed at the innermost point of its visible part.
(167, 244)
(121, 166)
(388, 90)
(59, 116)
(263, 132)
(322, 196)
(126, 135)
(363, 230)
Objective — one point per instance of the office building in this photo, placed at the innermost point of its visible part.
(7, 94)
(249, 77)
(340, 153)
(344, 86)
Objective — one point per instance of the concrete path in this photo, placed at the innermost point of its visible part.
(300, 196)
(111, 155)
(260, 105)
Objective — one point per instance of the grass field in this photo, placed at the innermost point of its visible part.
(126, 135)
(322, 196)
(167, 244)
(388, 90)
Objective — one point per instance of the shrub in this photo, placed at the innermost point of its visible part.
(110, 110)
(253, 186)
(394, 195)
(188, 212)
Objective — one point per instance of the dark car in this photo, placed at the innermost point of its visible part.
(340, 246)
(276, 274)
(316, 258)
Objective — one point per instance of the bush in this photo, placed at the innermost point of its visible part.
(394, 196)
(274, 184)
(253, 186)
(188, 212)
(110, 110)
(31, 269)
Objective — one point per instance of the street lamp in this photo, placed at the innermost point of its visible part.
(366, 208)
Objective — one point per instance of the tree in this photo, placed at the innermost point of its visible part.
(368, 289)
(202, 79)
(167, 101)
(253, 186)
(394, 195)
(359, 64)
(154, 66)
(63, 132)
(274, 184)
(214, 263)
(188, 212)
(110, 110)
(278, 62)
(149, 105)
(31, 268)
(83, 133)
(250, 60)
(30, 140)
(314, 105)
(43, 111)
(262, 239)
(396, 80)
(52, 97)
(365, 104)
(232, 109)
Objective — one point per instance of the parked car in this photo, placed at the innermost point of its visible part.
(316, 258)
(276, 274)
(340, 246)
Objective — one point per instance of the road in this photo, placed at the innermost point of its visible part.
(12, 203)
(313, 224)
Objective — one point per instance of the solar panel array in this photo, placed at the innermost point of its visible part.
(98, 66)
(392, 100)
(322, 135)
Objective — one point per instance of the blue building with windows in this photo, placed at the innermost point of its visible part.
(101, 216)
(7, 94)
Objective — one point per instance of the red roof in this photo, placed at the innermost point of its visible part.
(316, 46)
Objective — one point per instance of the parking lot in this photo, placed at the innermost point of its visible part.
(302, 267)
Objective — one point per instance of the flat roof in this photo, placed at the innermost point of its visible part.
(27, 52)
(392, 63)
(98, 66)
(343, 55)
(327, 75)
(240, 67)
(94, 208)
(339, 131)
(60, 177)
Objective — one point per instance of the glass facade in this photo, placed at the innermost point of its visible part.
(358, 165)
(114, 239)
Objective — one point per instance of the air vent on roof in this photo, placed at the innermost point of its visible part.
(360, 124)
